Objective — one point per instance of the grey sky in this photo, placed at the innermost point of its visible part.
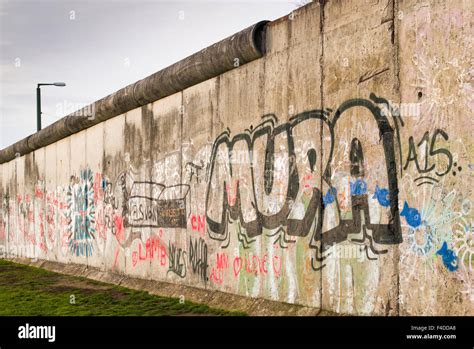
(98, 47)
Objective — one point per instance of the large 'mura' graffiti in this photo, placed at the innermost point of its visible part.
(226, 172)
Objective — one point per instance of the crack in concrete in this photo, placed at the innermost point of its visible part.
(371, 74)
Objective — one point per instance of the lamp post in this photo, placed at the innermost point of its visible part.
(38, 101)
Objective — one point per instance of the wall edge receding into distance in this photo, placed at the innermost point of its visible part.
(227, 54)
(335, 172)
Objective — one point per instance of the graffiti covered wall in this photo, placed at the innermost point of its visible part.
(334, 172)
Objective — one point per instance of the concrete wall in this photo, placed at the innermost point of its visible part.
(334, 172)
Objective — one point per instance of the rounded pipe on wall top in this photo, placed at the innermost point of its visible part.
(234, 51)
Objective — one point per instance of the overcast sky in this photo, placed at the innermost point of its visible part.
(98, 47)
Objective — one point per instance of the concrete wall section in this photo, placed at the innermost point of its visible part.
(436, 263)
(334, 172)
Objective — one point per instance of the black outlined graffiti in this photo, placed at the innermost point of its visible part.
(194, 171)
(155, 205)
(381, 233)
(198, 258)
(253, 228)
(107, 187)
(233, 204)
(430, 150)
(177, 260)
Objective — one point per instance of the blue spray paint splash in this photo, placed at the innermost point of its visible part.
(381, 194)
(412, 216)
(450, 260)
(359, 187)
(81, 212)
(330, 196)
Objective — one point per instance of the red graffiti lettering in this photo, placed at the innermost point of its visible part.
(39, 193)
(119, 231)
(217, 276)
(162, 255)
(98, 191)
(222, 261)
(257, 265)
(217, 273)
(237, 266)
(198, 223)
(154, 248)
(276, 262)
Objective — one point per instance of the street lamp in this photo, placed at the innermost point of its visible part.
(38, 101)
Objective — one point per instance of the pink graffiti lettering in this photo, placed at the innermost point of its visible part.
(154, 248)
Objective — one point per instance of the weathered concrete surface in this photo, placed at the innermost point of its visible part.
(335, 173)
(435, 60)
(358, 60)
